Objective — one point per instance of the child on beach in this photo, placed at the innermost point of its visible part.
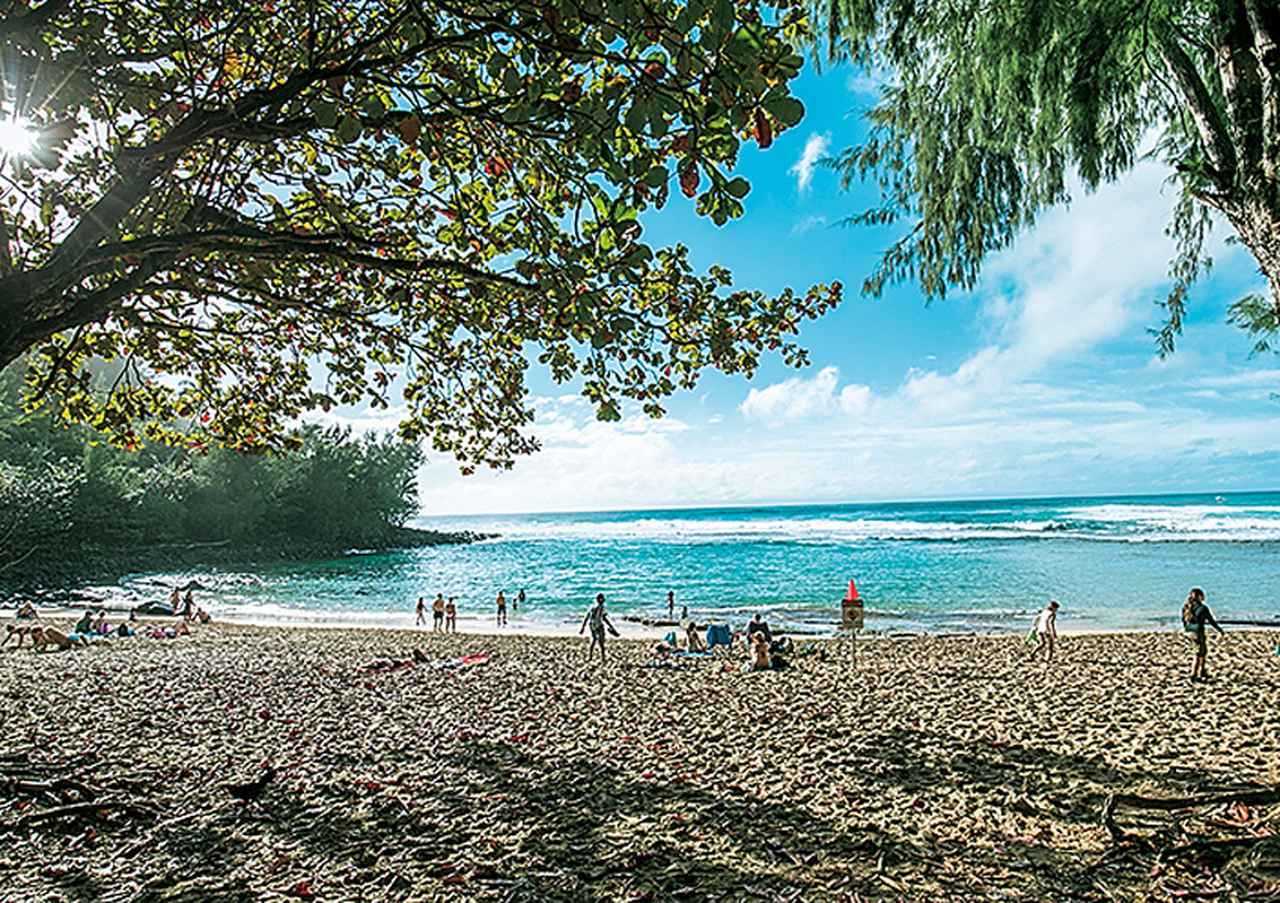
(450, 617)
(1046, 630)
(1196, 617)
(502, 609)
(598, 619)
(437, 614)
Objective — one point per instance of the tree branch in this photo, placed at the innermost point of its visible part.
(1204, 112)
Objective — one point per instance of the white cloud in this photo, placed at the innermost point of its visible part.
(799, 398)
(808, 223)
(814, 150)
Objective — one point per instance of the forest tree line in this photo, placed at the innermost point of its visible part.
(66, 495)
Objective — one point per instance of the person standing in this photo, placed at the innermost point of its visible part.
(519, 600)
(598, 620)
(1046, 630)
(671, 605)
(422, 612)
(450, 617)
(437, 614)
(502, 609)
(1196, 618)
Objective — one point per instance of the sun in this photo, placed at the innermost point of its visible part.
(16, 137)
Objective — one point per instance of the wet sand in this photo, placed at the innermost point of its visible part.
(947, 769)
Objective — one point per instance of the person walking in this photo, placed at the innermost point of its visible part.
(1046, 630)
(502, 609)
(1196, 618)
(598, 620)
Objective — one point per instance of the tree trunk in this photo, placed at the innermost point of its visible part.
(1258, 226)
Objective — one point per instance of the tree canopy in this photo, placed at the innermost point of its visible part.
(988, 109)
(267, 207)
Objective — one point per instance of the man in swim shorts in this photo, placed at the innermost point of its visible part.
(597, 619)
(437, 614)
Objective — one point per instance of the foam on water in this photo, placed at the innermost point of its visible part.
(1113, 562)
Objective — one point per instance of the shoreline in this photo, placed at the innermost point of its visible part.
(471, 625)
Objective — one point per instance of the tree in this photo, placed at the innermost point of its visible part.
(259, 208)
(991, 107)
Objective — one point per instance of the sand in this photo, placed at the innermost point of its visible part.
(947, 769)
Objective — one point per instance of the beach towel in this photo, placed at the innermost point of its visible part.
(688, 654)
(719, 635)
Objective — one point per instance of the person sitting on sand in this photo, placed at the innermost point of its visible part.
(502, 609)
(1046, 630)
(692, 640)
(450, 616)
(1195, 618)
(100, 625)
(203, 616)
(27, 612)
(598, 619)
(85, 624)
(759, 648)
(437, 614)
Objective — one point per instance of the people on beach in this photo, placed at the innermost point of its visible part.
(188, 606)
(100, 625)
(27, 612)
(1046, 630)
(42, 637)
(759, 653)
(684, 612)
(1196, 617)
(175, 600)
(598, 620)
(437, 614)
(421, 611)
(693, 640)
(758, 624)
(519, 600)
(671, 605)
(85, 624)
(450, 616)
(502, 609)
(16, 630)
(201, 615)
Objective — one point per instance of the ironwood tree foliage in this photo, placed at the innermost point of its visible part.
(989, 108)
(272, 206)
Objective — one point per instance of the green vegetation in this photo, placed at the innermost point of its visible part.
(988, 109)
(419, 197)
(66, 500)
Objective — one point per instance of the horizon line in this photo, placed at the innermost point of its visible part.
(729, 506)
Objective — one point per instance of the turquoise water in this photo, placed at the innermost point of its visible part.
(937, 566)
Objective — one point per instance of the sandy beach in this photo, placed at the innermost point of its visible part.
(947, 769)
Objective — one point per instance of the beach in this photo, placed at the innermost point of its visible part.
(930, 768)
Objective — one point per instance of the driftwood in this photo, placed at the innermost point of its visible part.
(79, 810)
(1177, 803)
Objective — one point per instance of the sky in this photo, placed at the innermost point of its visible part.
(1041, 381)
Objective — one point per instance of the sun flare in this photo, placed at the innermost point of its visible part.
(16, 137)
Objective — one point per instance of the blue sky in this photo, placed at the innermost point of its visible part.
(1041, 381)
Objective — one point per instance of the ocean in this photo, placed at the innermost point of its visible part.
(940, 567)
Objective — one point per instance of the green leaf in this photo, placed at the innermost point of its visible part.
(787, 110)
(738, 187)
(349, 128)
